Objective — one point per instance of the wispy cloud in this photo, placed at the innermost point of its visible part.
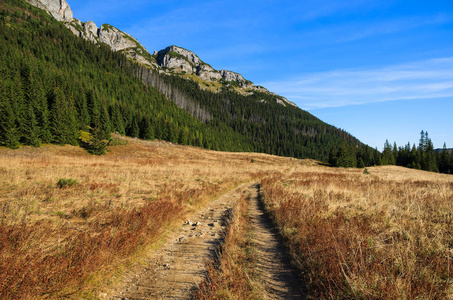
(419, 80)
(357, 31)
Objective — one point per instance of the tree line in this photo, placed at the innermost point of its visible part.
(422, 156)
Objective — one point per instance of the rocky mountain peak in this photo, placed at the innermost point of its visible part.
(59, 9)
(189, 55)
(178, 59)
(172, 60)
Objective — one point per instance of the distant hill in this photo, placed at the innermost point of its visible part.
(449, 150)
(62, 77)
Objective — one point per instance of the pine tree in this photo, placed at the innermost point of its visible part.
(422, 143)
(31, 129)
(58, 117)
(333, 158)
(93, 105)
(9, 133)
(17, 101)
(134, 129)
(97, 144)
(105, 123)
(71, 121)
(117, 120)
(360, 163)
(431, 163)
(387, 154)
(183, 136)
(146, 131)
(395, 153)
(346, 158)
(444, 160)
(41, 111)
(83, 116)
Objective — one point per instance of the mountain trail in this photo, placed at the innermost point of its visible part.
(274, 264)
(176, 269)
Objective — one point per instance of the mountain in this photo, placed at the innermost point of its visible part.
(172, 60)
(64, 78)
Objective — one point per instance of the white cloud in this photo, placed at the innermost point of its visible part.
(419, 80)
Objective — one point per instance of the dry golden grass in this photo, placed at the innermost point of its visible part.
(234, 276)
(383, 235)
(58, 241)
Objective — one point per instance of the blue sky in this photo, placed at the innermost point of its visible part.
(379, 69)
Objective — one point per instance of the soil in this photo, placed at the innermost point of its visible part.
(175, 270)
(274, 264)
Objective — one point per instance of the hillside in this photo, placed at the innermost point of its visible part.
(56, 84)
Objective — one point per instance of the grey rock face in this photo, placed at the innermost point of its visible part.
(91, 31)
(59, 9)
(231, 76)
(116, 39)
(179, 59)
(110, 35)
(190, 56)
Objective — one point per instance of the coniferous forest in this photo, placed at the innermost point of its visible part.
(58, 88)
(55, 86)
(421, 157)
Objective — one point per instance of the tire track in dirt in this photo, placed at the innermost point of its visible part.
(274, 268)
(177, 269)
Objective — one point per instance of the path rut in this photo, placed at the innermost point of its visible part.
(179, 267)
(274, 267)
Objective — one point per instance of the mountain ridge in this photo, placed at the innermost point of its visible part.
(173, 60)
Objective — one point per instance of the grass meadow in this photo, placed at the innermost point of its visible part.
(70, 221)
(382, 234)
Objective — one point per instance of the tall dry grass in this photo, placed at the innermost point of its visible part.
(69, 221)
(386, 235)
(234, 274)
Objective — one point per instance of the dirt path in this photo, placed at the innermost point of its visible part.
(177, 269)
(274, 267)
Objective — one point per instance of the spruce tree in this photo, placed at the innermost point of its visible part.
(146, 130)
(333, 158)
(58, 117)
(431, 163)
(117, 120)
(444, 160)
(183, 136)
(105, 123)
(31, 128)
(9, 133)
(41, 110)
(83, 116)
(134, 129)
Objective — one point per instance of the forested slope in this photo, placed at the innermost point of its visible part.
(54, 84)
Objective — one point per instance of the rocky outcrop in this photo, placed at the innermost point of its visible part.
(177, 59)
(113, 37)
(232, 76)
(116, 39)
(171, 60)
(59, 9)
(90, 31)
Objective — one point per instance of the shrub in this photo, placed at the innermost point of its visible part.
(66, 182)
